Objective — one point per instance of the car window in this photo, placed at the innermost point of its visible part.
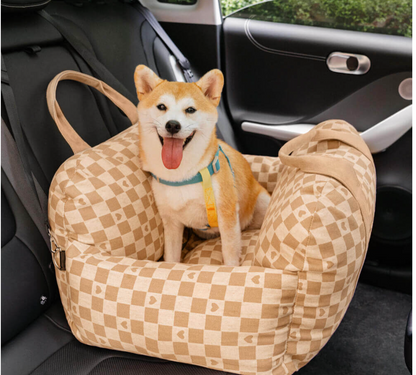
(178, 2)
(376, 16)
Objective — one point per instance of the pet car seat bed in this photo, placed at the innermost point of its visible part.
(272, 314)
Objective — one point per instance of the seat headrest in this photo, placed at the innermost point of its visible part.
(10, 6)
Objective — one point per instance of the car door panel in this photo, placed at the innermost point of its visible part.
(277, 74)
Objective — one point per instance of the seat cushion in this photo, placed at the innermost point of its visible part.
(28, 284)
(61, 353)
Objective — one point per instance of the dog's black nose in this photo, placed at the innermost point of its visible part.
(173, 126)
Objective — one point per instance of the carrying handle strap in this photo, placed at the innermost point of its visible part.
(339, 169)
(76, 143)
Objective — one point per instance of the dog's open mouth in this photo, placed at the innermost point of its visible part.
(172, 150)
(185, 141)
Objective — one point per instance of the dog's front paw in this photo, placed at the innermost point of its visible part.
(232, 260)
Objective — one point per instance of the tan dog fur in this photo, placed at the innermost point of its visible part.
(241, 203)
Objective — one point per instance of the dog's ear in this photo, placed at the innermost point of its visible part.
(211, 85)
(146, 80)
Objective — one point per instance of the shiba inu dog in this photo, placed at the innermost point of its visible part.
(178, 142)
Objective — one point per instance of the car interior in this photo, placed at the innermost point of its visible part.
(279, 81)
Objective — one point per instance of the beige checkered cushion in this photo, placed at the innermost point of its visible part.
(101, 201)
(269, 316)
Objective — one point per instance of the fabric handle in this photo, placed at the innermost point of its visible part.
(339, 169)
(76, 143)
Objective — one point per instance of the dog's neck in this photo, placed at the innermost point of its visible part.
(195, 158)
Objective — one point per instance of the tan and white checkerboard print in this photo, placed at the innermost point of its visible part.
(266, 170)
(269, 316)
(101, 198)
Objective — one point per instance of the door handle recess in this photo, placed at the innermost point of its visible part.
(348, 63)
(378, 138)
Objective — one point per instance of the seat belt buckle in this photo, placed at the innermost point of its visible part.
(188, 73)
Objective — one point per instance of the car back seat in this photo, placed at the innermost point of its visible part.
(36, 338)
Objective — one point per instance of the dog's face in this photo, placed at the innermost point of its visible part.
(177, 120)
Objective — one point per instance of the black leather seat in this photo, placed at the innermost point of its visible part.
(35, 335)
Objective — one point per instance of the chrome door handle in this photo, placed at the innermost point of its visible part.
(348, 63)
(378, 138)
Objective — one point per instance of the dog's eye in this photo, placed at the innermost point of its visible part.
(161, 107)
(190, 110)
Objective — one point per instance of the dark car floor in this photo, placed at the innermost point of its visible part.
(370, 339)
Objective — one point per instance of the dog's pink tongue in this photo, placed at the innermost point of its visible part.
(172, 151)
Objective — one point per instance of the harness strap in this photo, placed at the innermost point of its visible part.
(209, 198)
(204, 176)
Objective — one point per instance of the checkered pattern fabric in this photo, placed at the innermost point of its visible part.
(102, 199)
(314, 228)
(266, 170)
(210, 251)
(271, 315)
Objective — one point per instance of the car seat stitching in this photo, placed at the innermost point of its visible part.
(57, 324)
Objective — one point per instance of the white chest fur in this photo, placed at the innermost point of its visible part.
(185, 204)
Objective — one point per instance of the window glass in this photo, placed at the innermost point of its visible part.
(179, 2)
(377, 16)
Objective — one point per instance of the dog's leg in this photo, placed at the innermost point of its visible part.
(226, 198)
(262, 202)
(229, 226)
(173, 231)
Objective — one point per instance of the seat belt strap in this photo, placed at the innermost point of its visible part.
(12, 113)
(19, 150)
(99, 69)
(161, 33)
(12, 166)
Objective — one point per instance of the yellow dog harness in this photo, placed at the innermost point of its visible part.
(204, 176)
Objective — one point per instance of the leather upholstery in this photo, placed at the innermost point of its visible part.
(40, 331)
(26, 275)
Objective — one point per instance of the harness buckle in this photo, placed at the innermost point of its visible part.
(214, 164)
(57, 250)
